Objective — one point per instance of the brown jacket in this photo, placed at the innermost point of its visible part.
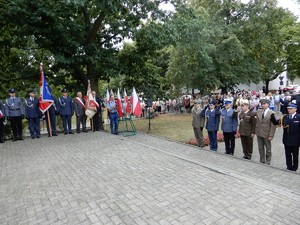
(247, 123)
(197, 120)
(264, 127)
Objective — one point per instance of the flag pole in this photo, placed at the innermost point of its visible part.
(49, 124)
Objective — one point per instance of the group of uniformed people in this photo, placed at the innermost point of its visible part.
(248, 123)
(15, 110)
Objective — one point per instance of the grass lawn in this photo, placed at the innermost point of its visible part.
(173, 126)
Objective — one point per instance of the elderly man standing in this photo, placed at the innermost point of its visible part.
(198, 123)
(113, 114)
(79, 108)
(265, 131)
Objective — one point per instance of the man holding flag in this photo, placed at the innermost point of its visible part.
(47, 104)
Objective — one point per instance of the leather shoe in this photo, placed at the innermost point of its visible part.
(71, 132)
(21, 138)
(54, 134)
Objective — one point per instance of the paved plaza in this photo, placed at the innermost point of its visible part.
(99, 178)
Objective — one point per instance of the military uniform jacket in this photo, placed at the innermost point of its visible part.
(2, 110)
(264, 127)
(247, 123)
(212, 118)
(32, 108)
(291, 130)
(14, 107)
(197, 120)
(78, 107)
(65, 106)
(229, 120)
(53, 110)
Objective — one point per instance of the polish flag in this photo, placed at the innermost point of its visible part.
(136, 105)
(127, 106)
(119, 104)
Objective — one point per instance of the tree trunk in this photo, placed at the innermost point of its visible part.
(267, 87)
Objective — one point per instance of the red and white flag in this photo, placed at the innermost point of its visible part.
(127, 106)
(46, 99)
(136, 105)
(89, 99)
(119, 104)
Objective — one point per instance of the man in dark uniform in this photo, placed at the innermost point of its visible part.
(66, 111)
(97, 118)
(212, 115)
(2, 119)
(52, 112)
(14, 110)
(229, 126)
(79, 107)
(291, 135)
(32, 112)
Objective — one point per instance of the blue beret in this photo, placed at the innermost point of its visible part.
(31, 91)
(12, 90)
(291, 105)
(212, 102)
(64, 90)
(227, 102)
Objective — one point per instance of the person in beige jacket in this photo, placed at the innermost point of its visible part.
(265, 131)
(198, 123)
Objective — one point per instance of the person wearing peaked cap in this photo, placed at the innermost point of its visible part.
(198, 123)
(265, 131)
(33, 114)
(264, 101)
(229, 126)
(66, 110)
(12, 90)
(212, 115)
(246, 129)
(14, 111)
(291, 132)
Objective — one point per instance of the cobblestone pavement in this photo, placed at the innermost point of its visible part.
(99, 178)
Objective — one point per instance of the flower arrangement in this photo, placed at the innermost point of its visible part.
(220, 138)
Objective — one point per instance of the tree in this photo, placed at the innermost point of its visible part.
(82, 36)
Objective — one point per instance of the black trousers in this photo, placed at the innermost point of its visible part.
(1, 130)
(81, 119)
(291, 156)
(96, 121)
(16, 126)
(229, 142)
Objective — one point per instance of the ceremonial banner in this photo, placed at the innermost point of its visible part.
(46, 99)
(91, 104)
